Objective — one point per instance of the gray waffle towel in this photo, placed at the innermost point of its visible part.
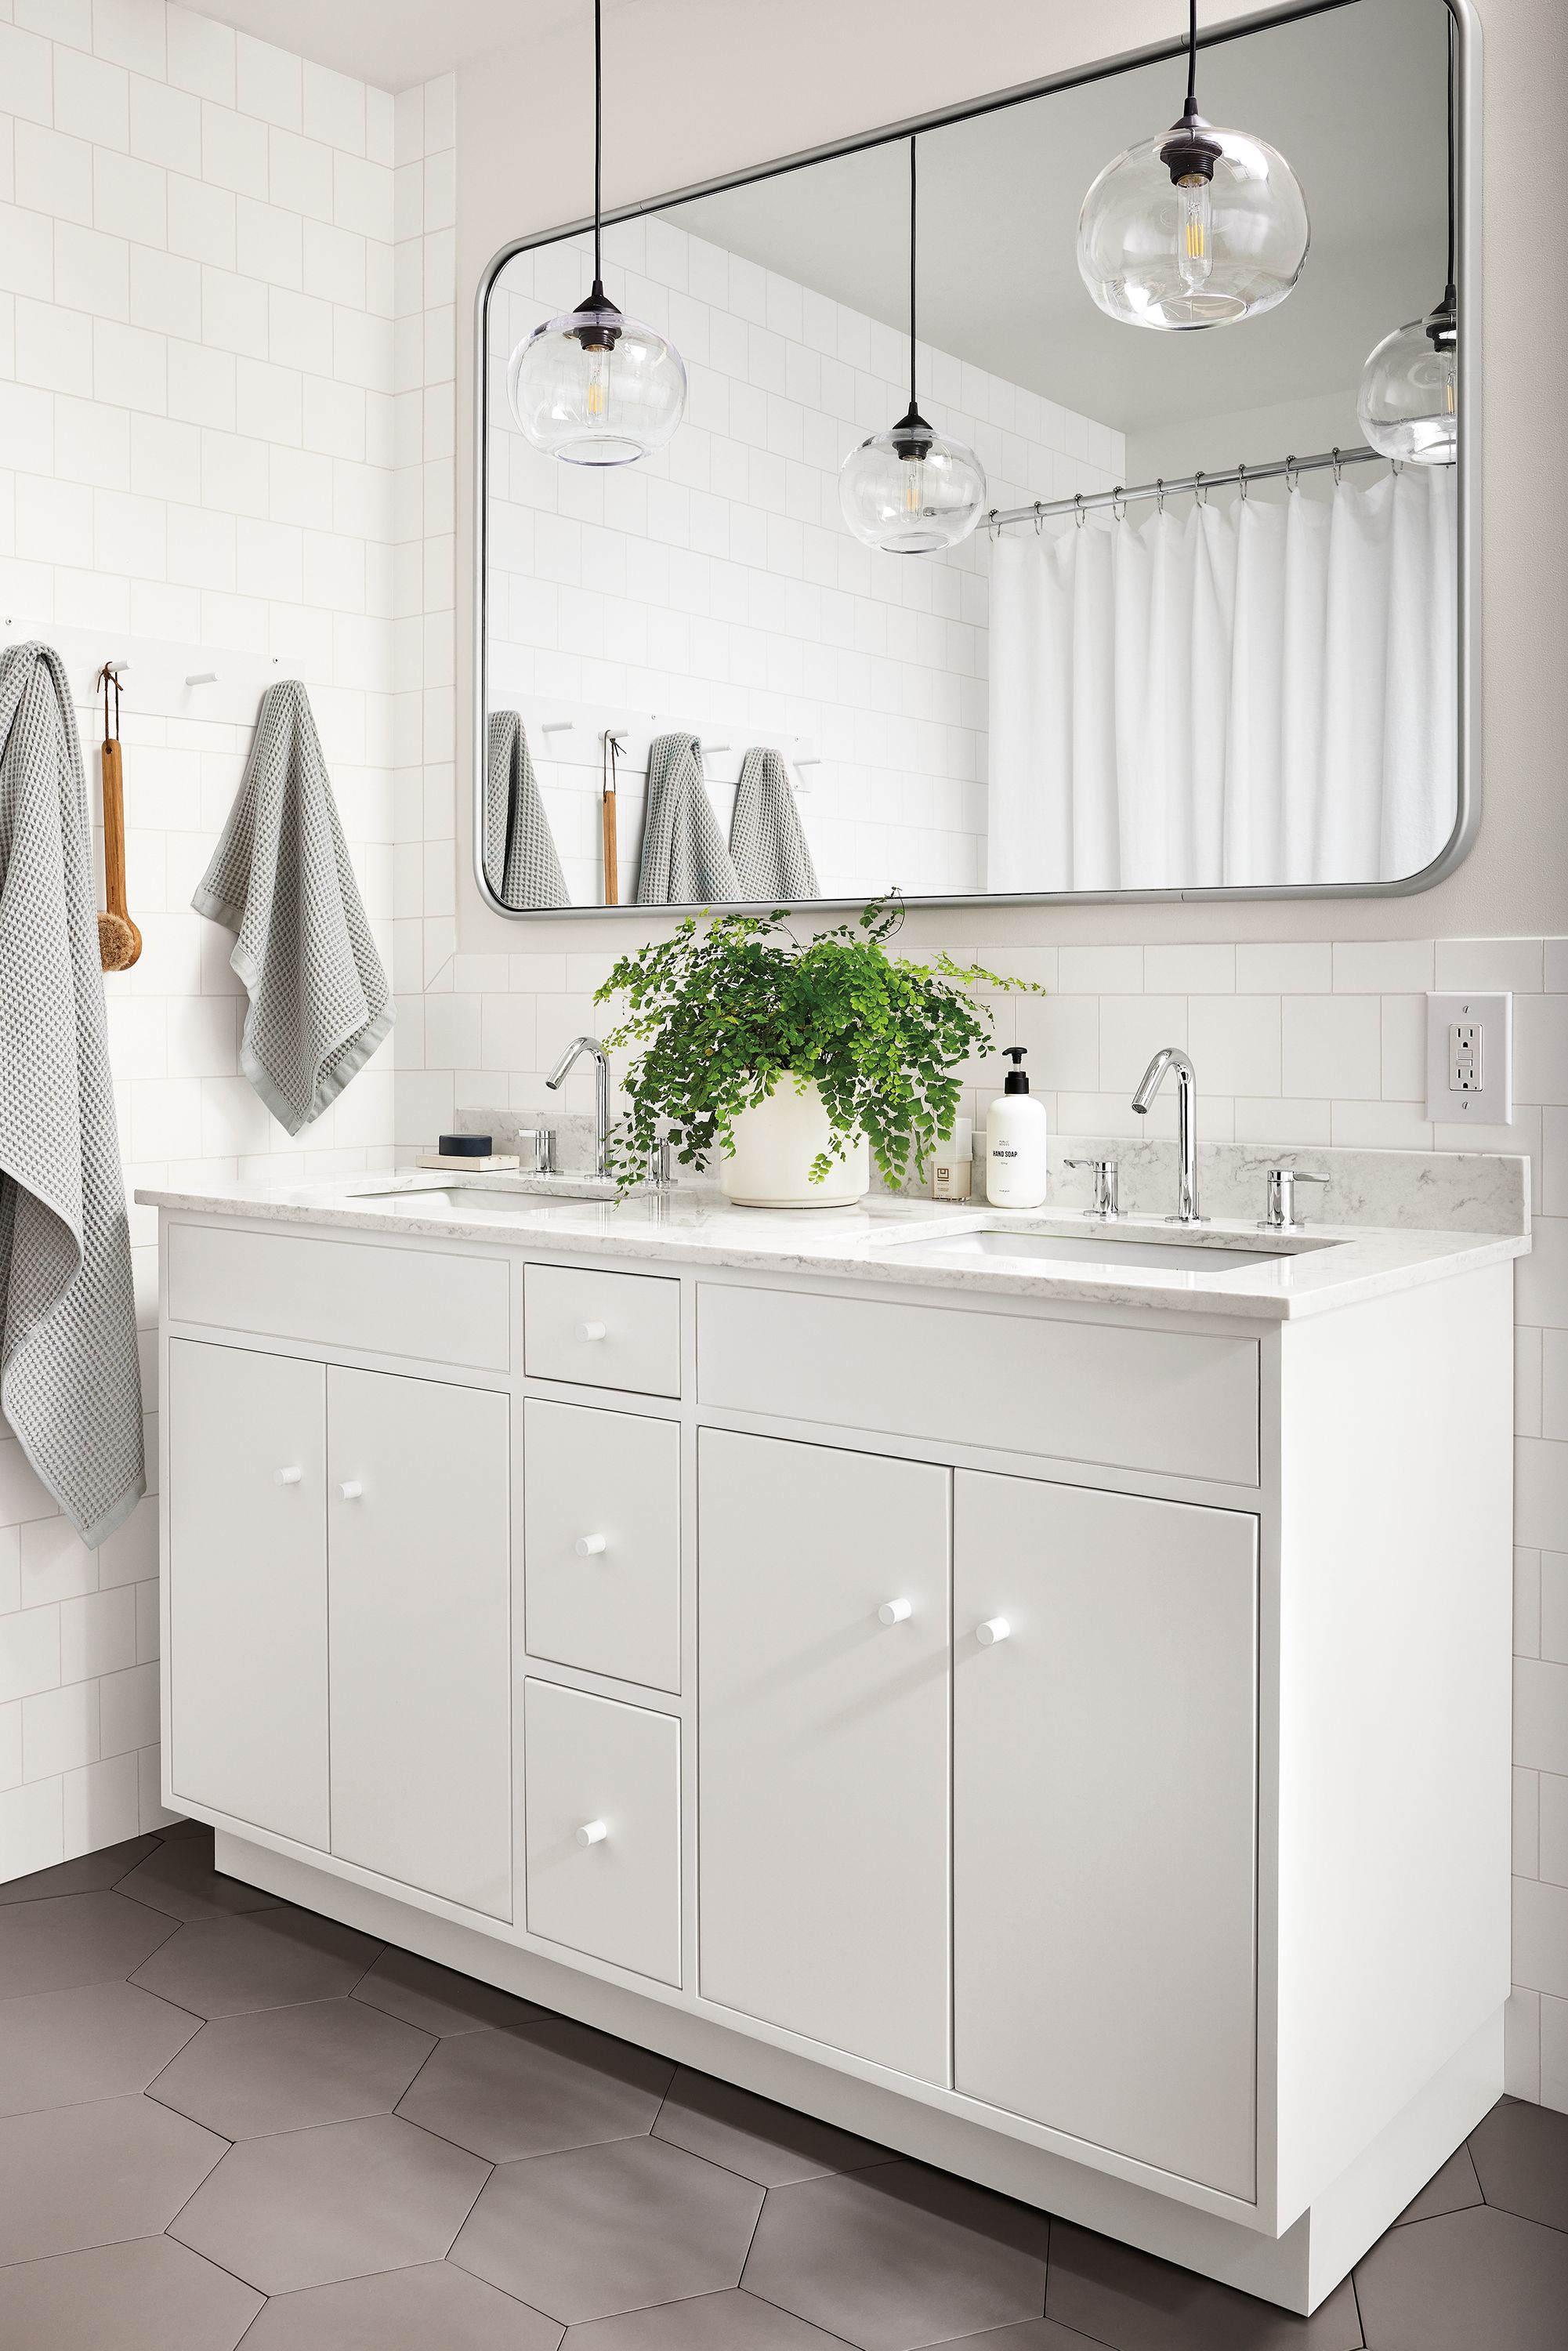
(280, 877)
(69, 1384)
(685, 860)
(521, 863)
(765, 841)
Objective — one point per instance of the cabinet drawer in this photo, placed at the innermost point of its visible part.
(389, 1301)
(1177, 1403)
(590, 1762)
(606, 1330)
(610, 1481)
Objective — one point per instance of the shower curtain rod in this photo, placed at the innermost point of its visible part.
(1082, 502)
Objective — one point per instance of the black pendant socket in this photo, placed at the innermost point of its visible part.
(1192, 150)
(911, 436)
(602, 321)
(1442, 327)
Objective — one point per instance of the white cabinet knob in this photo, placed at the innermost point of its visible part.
(287, 1476)
(352, 1489)
(894, 1612)
(589, 1546)
(593, 1833)
(995, 1628)
(591, 1331)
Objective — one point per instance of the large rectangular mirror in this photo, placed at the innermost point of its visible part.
(1204, 638)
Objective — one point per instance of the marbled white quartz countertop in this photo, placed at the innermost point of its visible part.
(908, 1243)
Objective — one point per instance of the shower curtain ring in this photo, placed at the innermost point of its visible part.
(1159, 493)
(1292, 473)
(1119, 502)
(1039, 517)
(1338, 470)
(995, 519)
(1200, 489)
(1241, 480)
(1078, 506)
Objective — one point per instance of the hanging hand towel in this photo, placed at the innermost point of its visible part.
(521, 864)
(69, 1384)
(685, 860)
(771, 857)
(280, 877)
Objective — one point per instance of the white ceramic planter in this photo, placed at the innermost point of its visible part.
(775, 1143)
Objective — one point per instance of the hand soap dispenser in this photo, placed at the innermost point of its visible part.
(1015, 1142)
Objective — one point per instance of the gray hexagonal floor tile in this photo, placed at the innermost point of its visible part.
(436, 1998)
(1522, 2161)
(50, 1944)
(283, 2069)
(1477, 2280)
(269, 1959)
(1033, 2335)
(769, 2144)
(151, 2294)
(90, 1873)
(1449, 2190)
(1127, 2298)
(548, 2084)
(96, 2041)
(608, 2229)
(180, 1878)
(899, 2257)
(84, 2175)
(310, 2207)
(433, 2308)
(716, 2322)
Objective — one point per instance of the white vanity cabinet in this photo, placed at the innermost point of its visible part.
(1062, 1736)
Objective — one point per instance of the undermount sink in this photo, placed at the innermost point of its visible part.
(1106, 1247)
(483, 1197)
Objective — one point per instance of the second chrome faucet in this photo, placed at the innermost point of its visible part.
(1169, 1058)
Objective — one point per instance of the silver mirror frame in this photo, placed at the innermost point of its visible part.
(1468, 176)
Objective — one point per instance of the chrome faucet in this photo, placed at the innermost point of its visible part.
(1171, 1057)
(578, 1047)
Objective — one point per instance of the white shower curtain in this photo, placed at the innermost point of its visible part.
(1261, 692)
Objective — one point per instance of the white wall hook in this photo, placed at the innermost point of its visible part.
(894, 1612)
(286, 1477)
(352, 1489)
(589, 1546)
(559, 726)
(204, 677)
(995, 1628)
(593, 1833)
(591, 1331)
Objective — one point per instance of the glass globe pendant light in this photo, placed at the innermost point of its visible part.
(1196, 228)
(594, 387)
(1408, 401)
(911, 490)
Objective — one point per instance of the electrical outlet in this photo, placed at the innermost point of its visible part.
(1469, 1059)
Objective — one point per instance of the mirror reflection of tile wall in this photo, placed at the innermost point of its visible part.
(717, 584)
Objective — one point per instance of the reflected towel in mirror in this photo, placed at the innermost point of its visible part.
(685, 860)
(522, 864)
(767, 843)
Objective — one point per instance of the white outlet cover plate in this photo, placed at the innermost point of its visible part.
(1491, 1103)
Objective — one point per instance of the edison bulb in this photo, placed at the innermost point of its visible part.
(1195, 258)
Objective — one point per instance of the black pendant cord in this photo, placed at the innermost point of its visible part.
(1448, 281)
(1192, 58)
(913, 231)
(598, 145)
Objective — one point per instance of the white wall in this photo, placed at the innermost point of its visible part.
(197, 428)
(717, 583)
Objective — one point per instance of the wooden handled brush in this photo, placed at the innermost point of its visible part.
(119, 940)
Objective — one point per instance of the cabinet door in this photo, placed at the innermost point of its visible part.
(248, 1587)
(1104, 1819)
(602, 1536)
(417, 1513)
(603, 1795)
(822, 1745)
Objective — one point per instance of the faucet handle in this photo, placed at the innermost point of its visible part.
(1107, 1196)
(1280, 1212)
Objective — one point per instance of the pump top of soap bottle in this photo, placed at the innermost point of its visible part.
(1016, 1081)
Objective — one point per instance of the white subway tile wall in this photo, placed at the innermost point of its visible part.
(717, 584)
(197, 427)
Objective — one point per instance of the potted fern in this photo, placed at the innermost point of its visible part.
(795, 1061)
